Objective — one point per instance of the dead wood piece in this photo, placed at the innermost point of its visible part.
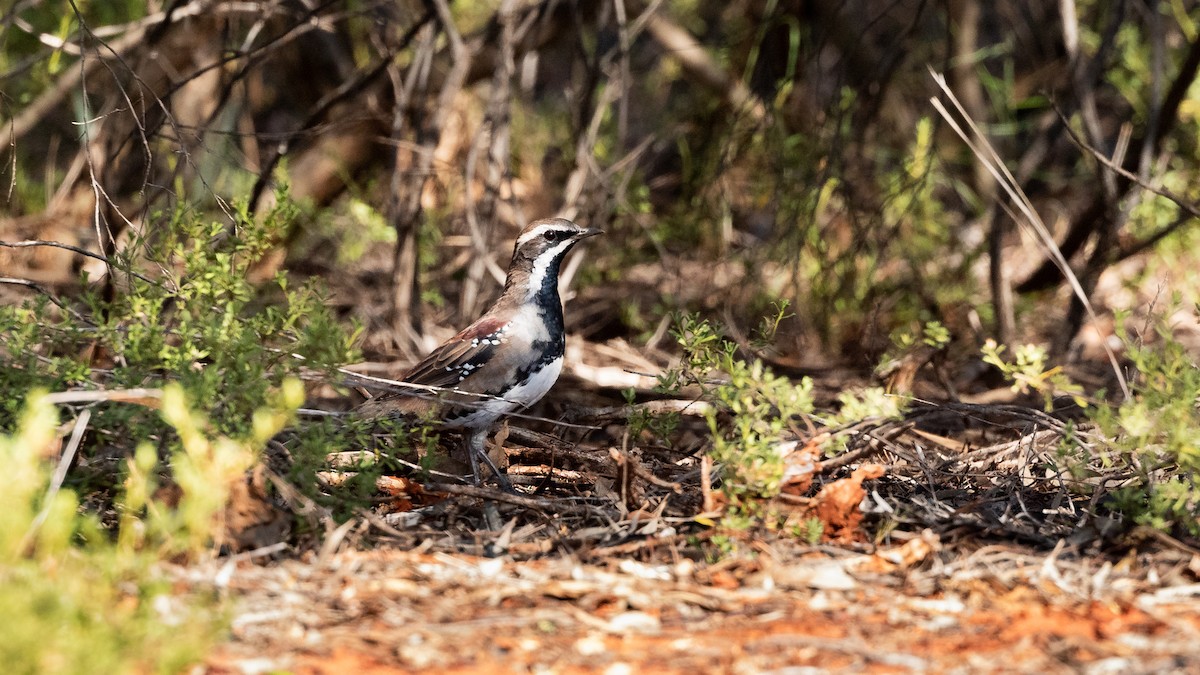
(351, 458)
(602, 464)
(532, 548)
(611, 377)
(624, 412)
(645, 474)
(941, 441)
(647, 543)
(632, 495)
(147, 397)
(542, 470)
(1007, 455)
(495, 495)
(877, 438)
(844, 459)
(315, 514)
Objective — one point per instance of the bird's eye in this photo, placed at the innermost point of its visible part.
(552, 235)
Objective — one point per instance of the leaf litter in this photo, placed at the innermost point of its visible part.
(950, 541)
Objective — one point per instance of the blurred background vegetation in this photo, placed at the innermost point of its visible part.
(739, 153)
(195, 191)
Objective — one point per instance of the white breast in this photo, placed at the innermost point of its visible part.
(518, 398)
(536, 386)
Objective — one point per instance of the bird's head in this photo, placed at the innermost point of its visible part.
(540, 248)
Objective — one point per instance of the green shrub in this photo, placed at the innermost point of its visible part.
(186, 312)
(867, 403)
(753, 411)
(1029, 372)
(1156, 434)
(77, 600)
(85, 590)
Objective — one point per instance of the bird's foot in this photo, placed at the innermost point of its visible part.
(501, 478)
(477, 452)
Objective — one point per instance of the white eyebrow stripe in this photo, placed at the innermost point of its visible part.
(535, 232)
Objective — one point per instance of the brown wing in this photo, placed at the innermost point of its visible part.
(447, 366)
(450, 364)
(458, 357)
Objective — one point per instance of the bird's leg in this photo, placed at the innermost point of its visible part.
(476, 438)
(476, 449)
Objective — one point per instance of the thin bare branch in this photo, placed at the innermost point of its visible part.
(60, 475)
(1119, 169)
(147, 397)
(74, 249)
(11, 281)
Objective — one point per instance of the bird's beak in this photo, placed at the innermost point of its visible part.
(590, 232)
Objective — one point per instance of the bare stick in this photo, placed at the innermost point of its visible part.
(694, 408)
(1116, 167)
(139, 396)
(60, 474)
(48, 295)
(75, 249)
(494, 495)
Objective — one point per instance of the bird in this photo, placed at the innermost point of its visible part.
(506, 360)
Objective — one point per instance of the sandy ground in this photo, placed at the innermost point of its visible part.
(914, 607)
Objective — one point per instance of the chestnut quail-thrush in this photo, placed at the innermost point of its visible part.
(505, 361)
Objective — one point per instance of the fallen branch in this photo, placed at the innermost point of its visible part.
(624, 412)
(147, 397)
(75, 249)
(496, 496)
